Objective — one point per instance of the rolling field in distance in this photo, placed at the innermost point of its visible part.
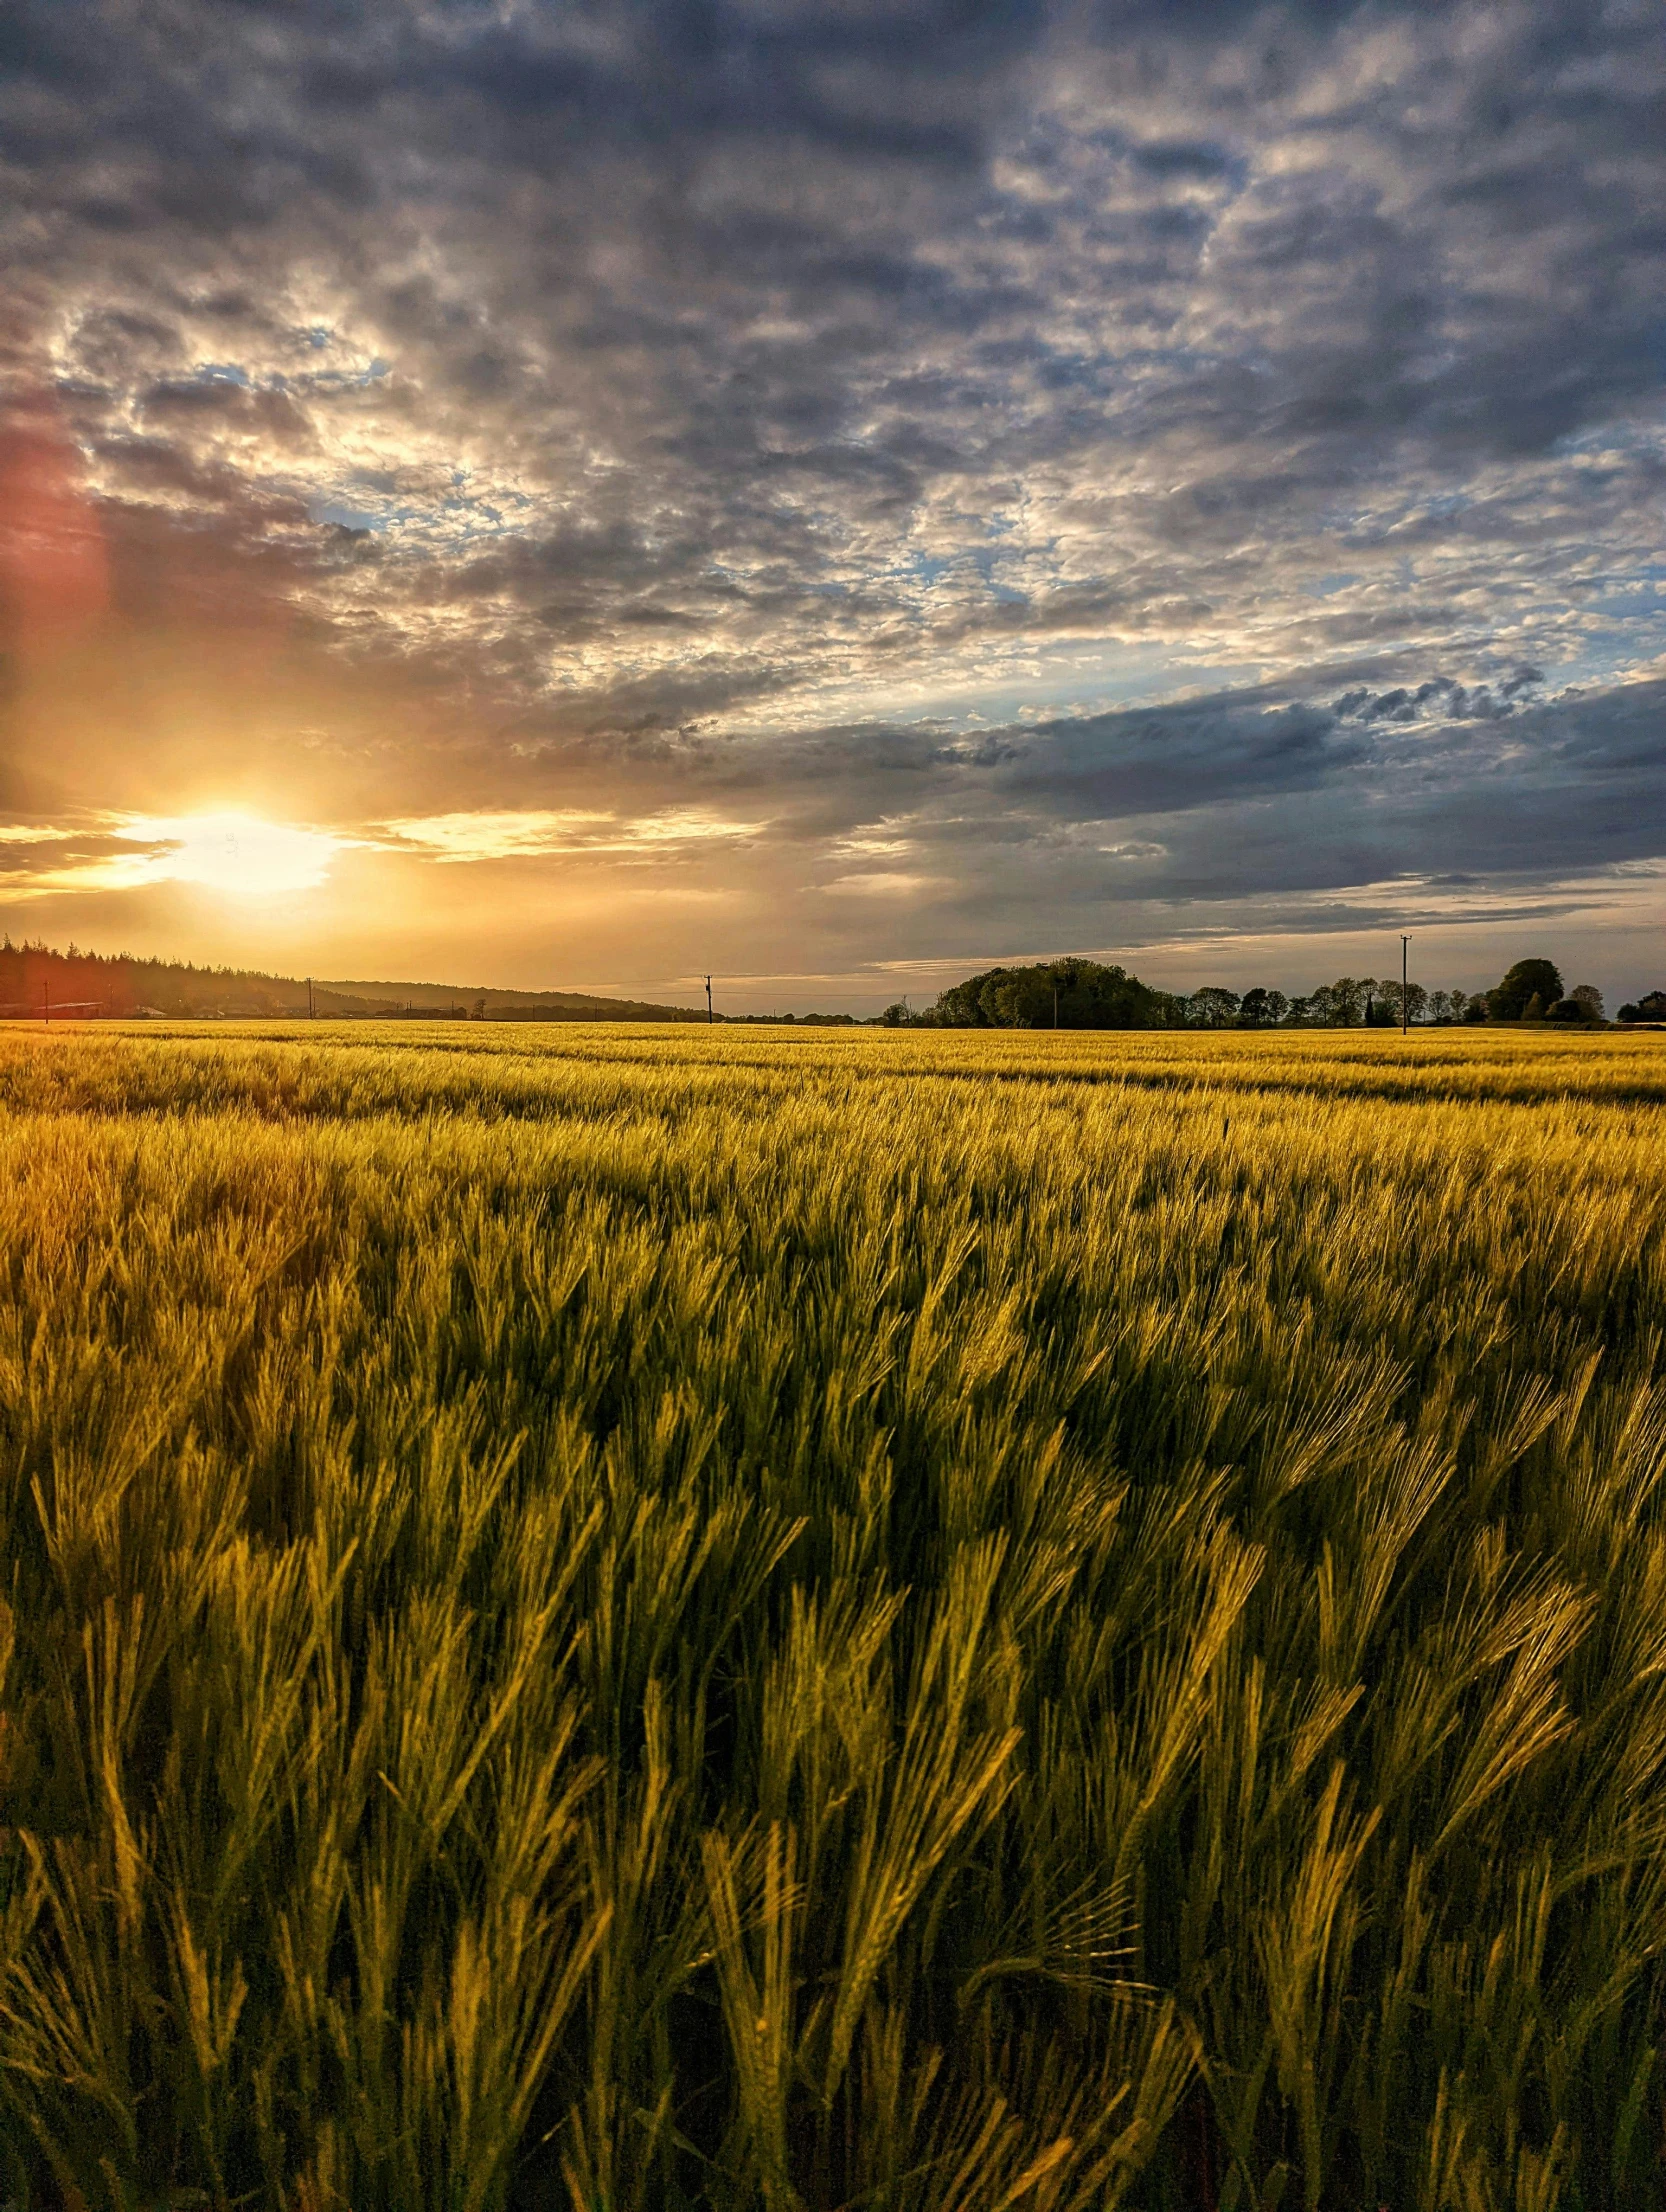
(622, 1619)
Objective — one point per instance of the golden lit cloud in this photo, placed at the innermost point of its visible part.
(511, 836)
(879, 885)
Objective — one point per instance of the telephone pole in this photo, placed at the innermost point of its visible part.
(311, 1012)
(708, 1000)
(1405, 1006)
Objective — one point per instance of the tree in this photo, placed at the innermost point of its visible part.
(1417, 1000)
(1528, 979)
(1211, 1008)
(1570, 1010)
(1090, 996)
(1258, 1008)
(1588, 996)
(1534, 1010)
(1348, 999)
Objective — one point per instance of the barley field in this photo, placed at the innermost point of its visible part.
(619, 1619)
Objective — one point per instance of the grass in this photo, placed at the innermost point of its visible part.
(613, 1620)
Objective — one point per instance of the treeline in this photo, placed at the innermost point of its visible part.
(37, 983)
(1084, 994)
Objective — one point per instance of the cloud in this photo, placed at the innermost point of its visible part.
(510, 836)
(646, 438)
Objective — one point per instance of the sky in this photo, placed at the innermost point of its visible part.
(835, 493)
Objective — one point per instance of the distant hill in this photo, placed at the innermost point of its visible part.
(38, 981)
(494, 1005)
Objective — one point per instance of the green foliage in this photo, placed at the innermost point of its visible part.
(1212, 1008)
(1081, 994)
(1348, 998)
(38, 981)
(664, 1619)
(1510, 1000)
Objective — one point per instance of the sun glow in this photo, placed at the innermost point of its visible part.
(233, 853)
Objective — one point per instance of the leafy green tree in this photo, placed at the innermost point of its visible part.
(1534, 1010)
(1528, 979)
(1211, 1008)
(1588, 996)
(1417, 1002)
(1089, 995)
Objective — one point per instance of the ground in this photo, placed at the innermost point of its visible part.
(626, 1618)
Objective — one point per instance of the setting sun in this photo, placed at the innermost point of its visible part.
(235, 853)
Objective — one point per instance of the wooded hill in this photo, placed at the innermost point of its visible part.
(38, 982)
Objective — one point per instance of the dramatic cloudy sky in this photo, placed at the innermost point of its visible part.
(835, 491)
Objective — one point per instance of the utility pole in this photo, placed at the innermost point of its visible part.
(1405, 1008)
(312, 1014)
(708, 1000)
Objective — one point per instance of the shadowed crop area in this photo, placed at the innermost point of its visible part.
(610, 1620)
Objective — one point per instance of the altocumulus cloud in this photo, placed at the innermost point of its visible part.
(900, 480)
